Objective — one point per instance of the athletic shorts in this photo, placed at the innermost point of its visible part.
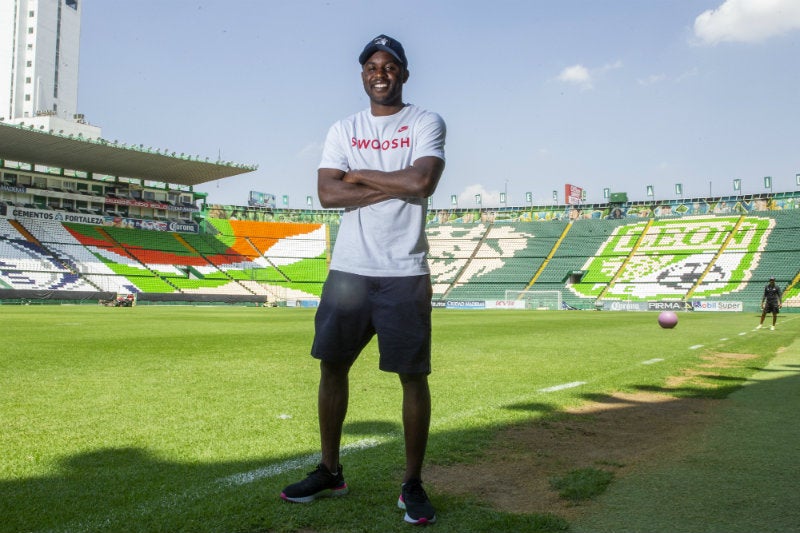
(355, 308)
(771, 307)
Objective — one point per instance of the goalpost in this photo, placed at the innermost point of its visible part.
(550, 300)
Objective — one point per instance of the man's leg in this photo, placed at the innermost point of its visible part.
(416, 422)
(327, 479)
(332, 400)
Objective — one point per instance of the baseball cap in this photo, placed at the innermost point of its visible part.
(387, 44)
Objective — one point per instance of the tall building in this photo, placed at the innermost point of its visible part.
(39, 55)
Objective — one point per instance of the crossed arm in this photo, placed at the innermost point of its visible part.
(357, 188)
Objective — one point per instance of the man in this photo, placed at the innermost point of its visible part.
(380, 165)
(770, 303)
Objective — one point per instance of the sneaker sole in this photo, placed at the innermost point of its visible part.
(327, 493)
(421, 522)
(417, 522)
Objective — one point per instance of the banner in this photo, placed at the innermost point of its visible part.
(261, 199)
(703, 305)
(103, 220)
(451, 304)
(573, 194)
(505, 304)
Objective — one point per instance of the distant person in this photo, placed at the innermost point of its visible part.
(770, 303)
(380, 165)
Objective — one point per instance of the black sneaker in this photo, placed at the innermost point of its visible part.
(414, 500)
(320, 482)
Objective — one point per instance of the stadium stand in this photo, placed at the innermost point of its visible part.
(725, 257)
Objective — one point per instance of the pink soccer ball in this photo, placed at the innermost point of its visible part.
(667, 319)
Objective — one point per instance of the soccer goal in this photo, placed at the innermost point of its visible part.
(537, 299)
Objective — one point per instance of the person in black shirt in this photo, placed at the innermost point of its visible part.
(770, 303)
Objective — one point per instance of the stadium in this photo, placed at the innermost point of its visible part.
(87, 223)
(86, 220)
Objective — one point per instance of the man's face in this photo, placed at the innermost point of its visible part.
(383, 78)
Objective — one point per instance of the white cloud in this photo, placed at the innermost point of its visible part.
(312, 150)
(652, 79)
(691, 73)
(488, 198)
(748, 21)
(577, 74)
(584, 77)
(609, 66)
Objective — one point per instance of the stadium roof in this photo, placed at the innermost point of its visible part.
(28, 145)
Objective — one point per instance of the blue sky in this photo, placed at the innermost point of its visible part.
(617, 94)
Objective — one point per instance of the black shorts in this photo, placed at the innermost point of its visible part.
(354, 308)
(771, 307)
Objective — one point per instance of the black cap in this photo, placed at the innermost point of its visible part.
(387, 44)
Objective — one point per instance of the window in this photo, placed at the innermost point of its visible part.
(72, 3)
(27, 98)
(27, 79)
(29, 63)
(30, 31)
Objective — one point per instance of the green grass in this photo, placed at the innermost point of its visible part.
(193, 418)
(582, 484)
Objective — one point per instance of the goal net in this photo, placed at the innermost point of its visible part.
(537, 299)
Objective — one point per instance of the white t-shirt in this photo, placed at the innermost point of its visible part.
(386, 238)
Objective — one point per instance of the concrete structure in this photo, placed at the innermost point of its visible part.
(39, 56)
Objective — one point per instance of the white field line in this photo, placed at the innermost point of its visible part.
(292, 464)
(563, 386)
(653, 361)
(177, 499)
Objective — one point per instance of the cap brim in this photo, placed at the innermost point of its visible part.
(367, 53)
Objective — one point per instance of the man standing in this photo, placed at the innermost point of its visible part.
(380, 166)
(770, 303)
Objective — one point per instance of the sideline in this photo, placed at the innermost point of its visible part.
(737, 476)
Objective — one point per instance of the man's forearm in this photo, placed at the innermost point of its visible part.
(338, 193)
(417, 181)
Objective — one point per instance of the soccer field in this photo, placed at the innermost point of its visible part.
(180, 418)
